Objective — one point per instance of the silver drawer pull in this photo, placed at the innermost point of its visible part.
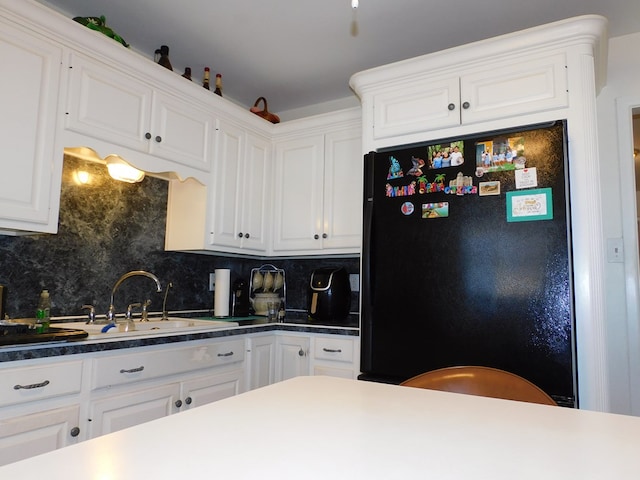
(133, 370)
(33, 385)
(228, 354)
(332, 350)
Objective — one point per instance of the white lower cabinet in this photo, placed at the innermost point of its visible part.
(40, 404)
(210, 388)
(141, 404)
(336, 356)
(276, 357)
(292, 356)
(136, 406)
(261, 367)
(31, 434)
(145, 385)
(50, 403)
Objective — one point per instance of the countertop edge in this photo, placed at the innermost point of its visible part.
(55, 349)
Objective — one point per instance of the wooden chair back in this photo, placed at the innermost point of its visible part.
(483, 381)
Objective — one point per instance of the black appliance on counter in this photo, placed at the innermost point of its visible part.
(240, 298)
(329, 295)
(470, 263)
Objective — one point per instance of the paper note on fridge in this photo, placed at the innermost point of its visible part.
(526, 178)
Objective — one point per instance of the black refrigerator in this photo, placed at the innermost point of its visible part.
(467, 258)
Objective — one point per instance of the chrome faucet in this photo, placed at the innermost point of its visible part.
(165, 314)
(111, 314)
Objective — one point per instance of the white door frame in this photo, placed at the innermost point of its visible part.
(629, 214)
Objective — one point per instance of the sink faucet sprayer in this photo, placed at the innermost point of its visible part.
(111, 314)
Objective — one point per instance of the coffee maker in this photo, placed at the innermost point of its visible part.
(329, 295)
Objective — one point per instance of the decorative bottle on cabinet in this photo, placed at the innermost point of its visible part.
(205, 82)
(163, 51)
(218, 90)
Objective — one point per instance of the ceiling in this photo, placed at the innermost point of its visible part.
(302, 53)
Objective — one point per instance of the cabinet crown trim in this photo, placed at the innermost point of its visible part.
(586, 30)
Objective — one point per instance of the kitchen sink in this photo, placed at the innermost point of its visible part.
(152, 327)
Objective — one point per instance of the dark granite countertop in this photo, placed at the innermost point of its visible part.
(250, 325)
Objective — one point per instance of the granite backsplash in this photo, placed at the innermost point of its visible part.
(107, 228)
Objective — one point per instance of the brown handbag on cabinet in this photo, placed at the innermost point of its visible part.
(264, 113)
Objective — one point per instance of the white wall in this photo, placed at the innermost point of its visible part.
(623, 86)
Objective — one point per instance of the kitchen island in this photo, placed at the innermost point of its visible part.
(323, 427)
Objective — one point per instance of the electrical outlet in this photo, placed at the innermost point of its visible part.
(212, 282)
(354, 280)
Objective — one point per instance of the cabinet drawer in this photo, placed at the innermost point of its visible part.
(29, 384)
(337, 349)
(124, 369)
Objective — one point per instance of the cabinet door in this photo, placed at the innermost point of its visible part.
(211, 388)
(181, 132)
(292, 357)
(261, 371)
(343, 170)
(513, 88)
(108, 104)
(257, 190)
(133, 407)
(30, 169)
(225, 212)
(428, 105)
(299, 171)
(29, 435)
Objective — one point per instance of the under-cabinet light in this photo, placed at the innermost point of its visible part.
(121, 170)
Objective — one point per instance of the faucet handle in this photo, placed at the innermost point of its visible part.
(91, 314)
(145, 312)
(129, 307)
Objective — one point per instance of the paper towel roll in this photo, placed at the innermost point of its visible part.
(222, 293)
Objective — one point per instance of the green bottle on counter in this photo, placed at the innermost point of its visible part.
(43, 313)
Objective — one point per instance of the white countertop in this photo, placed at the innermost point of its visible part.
(331, 428)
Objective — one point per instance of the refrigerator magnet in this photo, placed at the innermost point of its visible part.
(526, 178)
(489, 188)
(407, 208)
(435, 210)
(395, 170)
(529, 205)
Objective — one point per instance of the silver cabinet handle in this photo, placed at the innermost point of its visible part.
(301, 352)
(33, 385)
(133, 370)
(158, 139)
(75, 431)
(332, 350)
(228, 354)
(451, 106)
(188, 400)
(324, 235)
(316, 236)
(178, 403)
(466, 105)
(147, 136)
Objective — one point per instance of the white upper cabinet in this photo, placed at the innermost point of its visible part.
(343, 180)
(513, 87)
(496, 89)
(318, 192)
(110, 105)
(241, 193)
(29, 172)
(299, 173)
